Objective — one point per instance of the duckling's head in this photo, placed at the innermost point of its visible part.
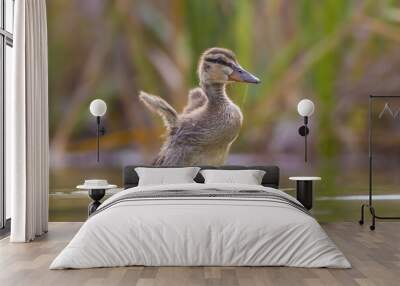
(219, 65)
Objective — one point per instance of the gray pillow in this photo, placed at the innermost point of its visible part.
(165, 176)
(247, 177)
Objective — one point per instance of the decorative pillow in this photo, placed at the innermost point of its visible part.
(247, 177)
(165, 176)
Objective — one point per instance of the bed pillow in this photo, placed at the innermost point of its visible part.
(247, 177)
(166, 176)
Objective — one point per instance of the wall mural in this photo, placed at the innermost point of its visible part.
(210, 122)
(335, 53)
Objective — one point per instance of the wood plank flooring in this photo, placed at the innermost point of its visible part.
(375, 257)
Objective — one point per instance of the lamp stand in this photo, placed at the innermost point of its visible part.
(100, 131)
(98, 138)
(304, 131)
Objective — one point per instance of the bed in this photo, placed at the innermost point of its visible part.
(198, 224)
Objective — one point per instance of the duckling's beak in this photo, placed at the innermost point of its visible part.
(241, 75)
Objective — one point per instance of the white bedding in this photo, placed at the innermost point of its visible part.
(200, 231)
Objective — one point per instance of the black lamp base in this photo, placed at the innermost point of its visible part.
(304, 193)
(96, 195)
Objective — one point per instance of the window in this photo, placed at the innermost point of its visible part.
(6, 64)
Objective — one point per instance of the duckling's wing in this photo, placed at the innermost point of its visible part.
(196, 99)
(160, 106)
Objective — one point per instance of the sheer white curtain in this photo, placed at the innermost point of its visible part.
(27, 142)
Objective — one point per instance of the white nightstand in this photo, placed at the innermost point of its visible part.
(304, 190)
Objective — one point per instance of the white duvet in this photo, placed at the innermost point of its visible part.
(200, 231)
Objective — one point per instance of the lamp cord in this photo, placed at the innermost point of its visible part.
(98, 138)
(305, 146)
(305, 137)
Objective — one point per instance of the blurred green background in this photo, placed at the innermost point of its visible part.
(335, 52)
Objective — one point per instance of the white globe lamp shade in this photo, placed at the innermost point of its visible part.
(98, 107)
(305, 107)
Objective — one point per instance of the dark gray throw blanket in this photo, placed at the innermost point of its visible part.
(206, 194)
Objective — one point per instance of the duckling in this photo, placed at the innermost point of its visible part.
(210, 122)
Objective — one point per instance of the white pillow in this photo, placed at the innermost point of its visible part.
(247, 177)
(165, 176)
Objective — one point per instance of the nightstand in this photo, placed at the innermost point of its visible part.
(304, 190)
(96, 190)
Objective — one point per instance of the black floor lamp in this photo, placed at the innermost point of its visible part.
(98, 108)
(305, 108)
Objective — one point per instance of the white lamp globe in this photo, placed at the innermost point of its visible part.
(305, 107)
(98, 107)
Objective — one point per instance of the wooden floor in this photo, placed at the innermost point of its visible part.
(375, 257)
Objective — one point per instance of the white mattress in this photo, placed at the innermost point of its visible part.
(191, 231)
